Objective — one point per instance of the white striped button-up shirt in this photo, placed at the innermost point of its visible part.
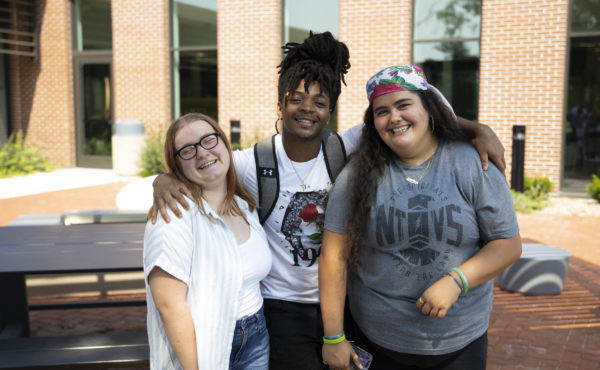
(205, 256)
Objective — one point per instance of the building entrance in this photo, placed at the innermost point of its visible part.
(94, 113)
(582, 126)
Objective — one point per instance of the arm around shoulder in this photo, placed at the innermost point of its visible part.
(485, 141)
(166, 191)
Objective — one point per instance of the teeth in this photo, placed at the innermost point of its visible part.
(207, 164)
(304, 121)
(400, 129)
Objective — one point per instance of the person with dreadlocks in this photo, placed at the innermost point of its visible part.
(303, 170)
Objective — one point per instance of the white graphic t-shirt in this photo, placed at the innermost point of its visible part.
(295, 226)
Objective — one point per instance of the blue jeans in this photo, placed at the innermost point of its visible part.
(250, 346)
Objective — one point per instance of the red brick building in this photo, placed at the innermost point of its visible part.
(71, 69)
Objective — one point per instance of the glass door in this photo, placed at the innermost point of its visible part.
(94, 111)
(581, 157)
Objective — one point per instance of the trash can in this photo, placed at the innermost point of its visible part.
(128, 141)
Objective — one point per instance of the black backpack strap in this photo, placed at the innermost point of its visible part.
(267, 177)
(334, 153)
(267, 174)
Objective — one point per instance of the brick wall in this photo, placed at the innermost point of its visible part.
(522, 76)
(523, 56)
(42, 98)
(248, 43)
(141, 62)
(376, 39)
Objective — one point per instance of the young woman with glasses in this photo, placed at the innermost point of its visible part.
(203, 270)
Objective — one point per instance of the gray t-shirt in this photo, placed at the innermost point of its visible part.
(415, 235)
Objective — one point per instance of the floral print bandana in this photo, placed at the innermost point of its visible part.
(396, 78)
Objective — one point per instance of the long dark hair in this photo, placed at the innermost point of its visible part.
(234, 187)
(321, 58)
(372, 158)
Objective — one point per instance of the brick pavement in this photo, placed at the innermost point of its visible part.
(526, 332)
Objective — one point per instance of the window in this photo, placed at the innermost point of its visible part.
(4, 99)
(92, 61)
(582, 126)
(446, 45)
(194, 55)
(300, 17)
(93, 25)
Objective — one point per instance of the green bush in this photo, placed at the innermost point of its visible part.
(16, 159)
(593, 189)
(537, 187)
(152, 159)
(250, 143)
(534, 195)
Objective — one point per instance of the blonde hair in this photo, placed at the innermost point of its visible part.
(228, 207)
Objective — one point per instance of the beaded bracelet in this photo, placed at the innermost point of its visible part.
(456, 281)
(463, 278)
(333, 339)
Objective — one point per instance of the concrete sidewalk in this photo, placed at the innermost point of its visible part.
(72, 189)
(61, 179)
(549, 332)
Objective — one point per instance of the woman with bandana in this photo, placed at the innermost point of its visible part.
(425, 230)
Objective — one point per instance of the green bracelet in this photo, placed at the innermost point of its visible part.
(340, 338)
(463, 278)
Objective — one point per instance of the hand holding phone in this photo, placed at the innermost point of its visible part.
(364, 357)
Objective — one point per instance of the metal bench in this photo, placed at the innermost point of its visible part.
(101, 217)
(540, 270)
(76, 352)
(77, 217)
(27, 220)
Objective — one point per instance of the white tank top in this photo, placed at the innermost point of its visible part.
(256, 257)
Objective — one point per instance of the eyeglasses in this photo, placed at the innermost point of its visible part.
(207, 142)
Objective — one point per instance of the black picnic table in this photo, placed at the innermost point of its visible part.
(26, 250)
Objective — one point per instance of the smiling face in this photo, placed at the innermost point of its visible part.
(209, 167)
(305, 115)
(403, 124)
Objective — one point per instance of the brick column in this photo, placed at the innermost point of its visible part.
(376, 39)
(141, 62)
(249, 49)
(42, 98)
(523, 76)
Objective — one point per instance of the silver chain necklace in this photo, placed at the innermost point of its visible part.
(303, 185)
(416, 181)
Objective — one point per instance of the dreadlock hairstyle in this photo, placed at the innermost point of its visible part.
(371, 160)
(321, 58)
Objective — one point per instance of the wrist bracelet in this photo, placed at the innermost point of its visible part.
(334, 336)
(463, 278)
(334, 339)
(456, 281)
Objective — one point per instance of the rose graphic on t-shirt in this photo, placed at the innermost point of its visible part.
(309, 215)
(309, 212)
(302, 226)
